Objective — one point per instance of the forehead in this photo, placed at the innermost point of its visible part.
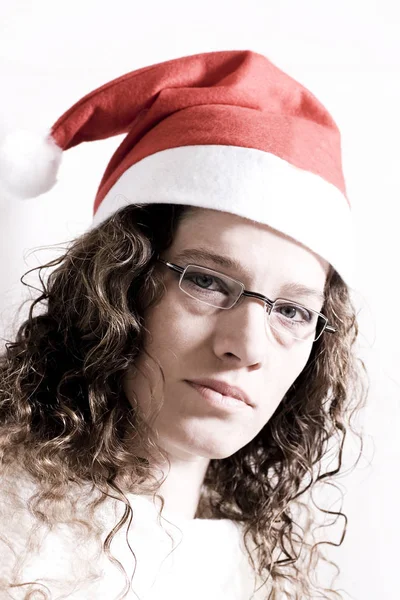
(255, 246)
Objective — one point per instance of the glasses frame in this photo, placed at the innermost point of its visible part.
(327, 327)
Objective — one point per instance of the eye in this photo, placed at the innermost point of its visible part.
(207, 282)
(295, 313)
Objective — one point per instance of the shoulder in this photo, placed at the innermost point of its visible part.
(33, 549)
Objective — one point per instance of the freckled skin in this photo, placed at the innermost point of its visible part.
(192, 341)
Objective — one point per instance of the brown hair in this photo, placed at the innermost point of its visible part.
(64, 415)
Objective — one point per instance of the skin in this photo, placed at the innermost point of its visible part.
(191, 341)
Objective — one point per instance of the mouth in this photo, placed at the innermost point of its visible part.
(218, 401)
(224, 389)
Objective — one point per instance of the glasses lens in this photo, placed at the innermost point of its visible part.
(296, 321)
(210, 287)
(215, 289)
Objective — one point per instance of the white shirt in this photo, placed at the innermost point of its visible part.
(208, 562)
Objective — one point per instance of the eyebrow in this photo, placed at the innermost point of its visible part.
(203, 255)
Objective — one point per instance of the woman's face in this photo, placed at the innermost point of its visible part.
(193, 341)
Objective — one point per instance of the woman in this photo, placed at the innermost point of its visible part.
(164, 415)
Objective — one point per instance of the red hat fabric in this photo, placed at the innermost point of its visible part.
(226, 130)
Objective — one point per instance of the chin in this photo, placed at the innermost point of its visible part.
(220, 453)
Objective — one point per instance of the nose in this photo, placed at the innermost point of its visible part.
(241, 334)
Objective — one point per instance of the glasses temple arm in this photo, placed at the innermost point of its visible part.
(330, 329)
(172, 266)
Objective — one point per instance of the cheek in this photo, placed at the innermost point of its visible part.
(172, 332)
(172, 337)
(291, 366)
(281, 373)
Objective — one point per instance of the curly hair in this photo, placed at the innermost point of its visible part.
(64, 416)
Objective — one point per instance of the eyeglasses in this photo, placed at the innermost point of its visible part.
(221, 291)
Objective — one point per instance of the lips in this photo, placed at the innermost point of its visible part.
(224, 388)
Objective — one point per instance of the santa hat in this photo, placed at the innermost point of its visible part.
(224, 130)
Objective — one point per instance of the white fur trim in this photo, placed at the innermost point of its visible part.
(246, 182)
(29, 163)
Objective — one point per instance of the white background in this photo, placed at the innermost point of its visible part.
(348, 54)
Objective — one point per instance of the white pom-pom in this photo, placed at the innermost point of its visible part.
(28, 163)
